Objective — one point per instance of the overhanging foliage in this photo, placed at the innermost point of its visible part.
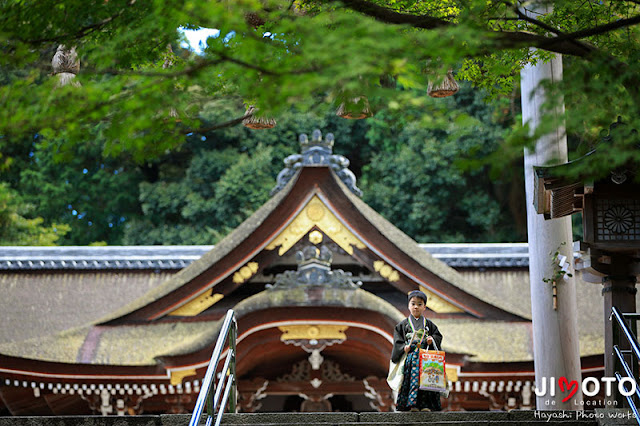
(278, 53)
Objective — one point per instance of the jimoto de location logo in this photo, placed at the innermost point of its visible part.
(590, 386)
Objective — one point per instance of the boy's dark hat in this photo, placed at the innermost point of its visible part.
(419, 294)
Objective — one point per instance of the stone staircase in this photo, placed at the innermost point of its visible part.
(483, 418)
(477, 418)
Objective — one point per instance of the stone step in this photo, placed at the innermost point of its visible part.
(437, 423)
(395, 418)
(472, 418)
(290, 418)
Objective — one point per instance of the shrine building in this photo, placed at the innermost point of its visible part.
(318, 281)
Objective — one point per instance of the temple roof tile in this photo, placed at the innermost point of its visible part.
(457, 255)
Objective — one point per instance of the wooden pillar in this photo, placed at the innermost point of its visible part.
(555, 331)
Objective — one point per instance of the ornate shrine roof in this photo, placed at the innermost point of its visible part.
(162, 329)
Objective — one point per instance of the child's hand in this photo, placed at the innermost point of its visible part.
(429, 340)
(407, 348)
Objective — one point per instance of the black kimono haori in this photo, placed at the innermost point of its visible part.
(411, 331)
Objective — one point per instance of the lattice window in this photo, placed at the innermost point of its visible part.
(617, 220)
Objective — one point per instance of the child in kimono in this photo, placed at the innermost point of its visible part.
(411, 334)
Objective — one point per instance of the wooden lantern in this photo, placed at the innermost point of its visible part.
(258, 123)
(66, 66)
(355, 108)
(610, 206)
(446, 87)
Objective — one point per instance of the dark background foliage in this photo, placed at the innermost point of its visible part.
(409, 163)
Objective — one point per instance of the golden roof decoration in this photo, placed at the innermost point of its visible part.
(315, 214)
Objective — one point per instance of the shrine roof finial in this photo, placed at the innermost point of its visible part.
(314, 269)
(316, 141)
(317, 152)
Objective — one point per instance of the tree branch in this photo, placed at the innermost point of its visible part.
(600, 29)
(218, 126)
(199, 65)
(225, 57)
(82, 32)
(523, 16)
(565, 44)
(392, 17)
(527, 18)
(520, 39)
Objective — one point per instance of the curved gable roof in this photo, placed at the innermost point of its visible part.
(314, 199)
(218, 253)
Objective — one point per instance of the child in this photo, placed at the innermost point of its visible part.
(410, 335)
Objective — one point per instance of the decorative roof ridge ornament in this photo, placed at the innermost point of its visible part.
(316, 141)
(314, 270)
(317, 152)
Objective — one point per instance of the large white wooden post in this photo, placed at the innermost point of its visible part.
(555, 332)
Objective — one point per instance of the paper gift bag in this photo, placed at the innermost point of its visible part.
(432, 371)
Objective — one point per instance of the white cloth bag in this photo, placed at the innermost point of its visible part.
(396, 373)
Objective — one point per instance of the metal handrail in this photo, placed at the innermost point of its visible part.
(627, 370)
(228, 388)
(630, 400)
(625, 329)
(635, 350)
